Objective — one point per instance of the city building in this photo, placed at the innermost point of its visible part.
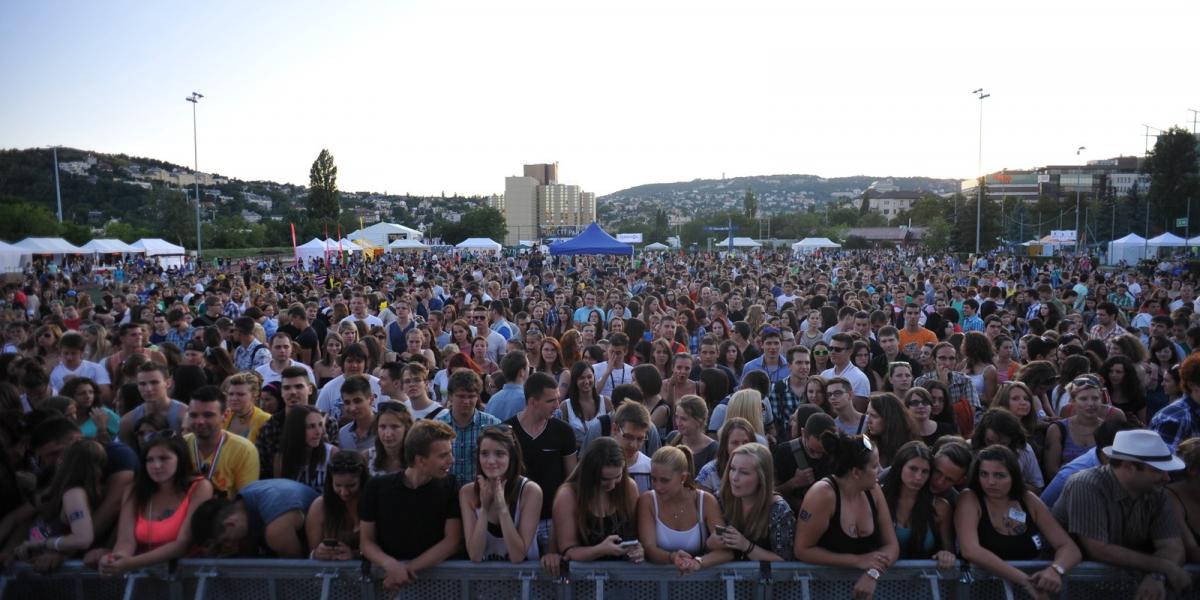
(1115, 176)
(891, 203)
(536, 205)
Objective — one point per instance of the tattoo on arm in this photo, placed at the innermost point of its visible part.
(74, 516)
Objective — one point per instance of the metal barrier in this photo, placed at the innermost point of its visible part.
(301, 579)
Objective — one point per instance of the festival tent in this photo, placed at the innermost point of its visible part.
(1167, 240)
(479, 245)
(347, 245)
(813, 243)
(406, 245)
(656, 247)
(168, 254)
(50, 246)
(592, 240)
(12, 258)
(1193, 242)
(369, 249)
(738, 242)
(107, 246)
(315, 248)
(1130, 249)
(381, 234)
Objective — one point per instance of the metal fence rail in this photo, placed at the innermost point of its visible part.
(301, 579)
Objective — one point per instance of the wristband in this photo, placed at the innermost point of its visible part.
(874, 573)
(57, 541)
(1057, 569)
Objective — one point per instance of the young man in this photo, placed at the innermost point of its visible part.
(242, 416)
(944, 358)
(71, 349)
(840, 366)
(840, 396)
(160, 329)
(1180, 419)
(265, 519)
(801, 461)
(391, 538)
(500, 323)
(740, 334)
(497, 345)
(845, 324)
(631, 426)
(1120, 513)
(229, 461)
(709, 349)
(153, 383)
(281, 358)
(889, 342)
(971, 320)
(415, 380)
(302, 333)
(547, 444)
(510, 399)
(390, 376)
(354, 362)
(358, 311)
(397, 331)
(771, 361)
(913, 336)
(180, 331)
(614, 371)
(466, 421)
(358, 402)
(132, 339)
(250, 353)
(786, 395)
(296, 389)
(952, 459)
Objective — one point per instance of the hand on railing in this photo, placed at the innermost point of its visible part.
(945, 560)
(397, 575)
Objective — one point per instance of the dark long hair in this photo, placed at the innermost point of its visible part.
(144, 487)
(898, 427)
(585, 481)
(1131, 389)
(401, 411)
(1005, 456)
(577, 369)
(337, 514)
(81, 467)
(503, 435)
(921, 517)
(294, 452)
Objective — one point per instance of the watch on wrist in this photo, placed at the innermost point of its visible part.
(873, 573)
(1057, 569)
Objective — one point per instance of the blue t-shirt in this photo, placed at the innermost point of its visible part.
(269, 499)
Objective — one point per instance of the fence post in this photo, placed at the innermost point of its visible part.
(935, 588)
(327, 576)
(598, 579)
(131, 581)
(805, 589)
(202, 581)
(366, 583)
(730, 578)
(526, 583)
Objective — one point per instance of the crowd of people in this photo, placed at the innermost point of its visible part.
(848, 409)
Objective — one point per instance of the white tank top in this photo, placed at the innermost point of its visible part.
(670, 540)
(494, 548)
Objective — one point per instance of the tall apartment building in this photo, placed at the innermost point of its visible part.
(536, 205)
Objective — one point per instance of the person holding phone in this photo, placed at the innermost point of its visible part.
(595, 509)
(332, 524)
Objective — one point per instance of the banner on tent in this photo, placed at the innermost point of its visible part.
(1066, 235)
(629, 238)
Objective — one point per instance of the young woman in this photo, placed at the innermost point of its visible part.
(678, 384)
(1163, 355)
(96, 347)
(860, 356)
(155, 516)
(978, 354)
(735, 432)
(460, 335)
(814, 393)
(997, 426)
(675, 518)
(998, 520)
(583, 401)
(64, 511)
(595, 508)
(500, 508)
(1006, 367)
(761, 524)
(479, 354)
(304, 454)
(45, 345)
(731, 356)
(924, 524)
(691, 419)
(714, 386)
(1069, 438)
(329, 366)
(392, 422)
(844, 519)
(820, 357)
(94, 419)
(331, 526)
(1017, 398)
(899, 378)
(1125, 391)
(889, 425)
(660, 357)
(919, 402)
(549, 359)
(414, 349)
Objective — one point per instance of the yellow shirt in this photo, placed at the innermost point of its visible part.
(257, 418)
(236, 463)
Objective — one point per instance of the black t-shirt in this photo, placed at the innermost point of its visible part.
(786, 467)
(752, 352)
(544, 455)
(119, 458)
(408, 521)
(307, 339)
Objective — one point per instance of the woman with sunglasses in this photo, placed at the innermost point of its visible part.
(155, 517)
(820, 354)
(500, 508)
(331, 525)
(392, 422)
(919, 402)
(844, 520)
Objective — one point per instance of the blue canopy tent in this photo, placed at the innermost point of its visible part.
(593, 240)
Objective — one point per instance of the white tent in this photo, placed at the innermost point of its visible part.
(381, 234)
(406, 244)
(656, 247)
(1130, 249)
(738, 242)
(1167, 240)
(348, 246)
(812, 243)
(168, 254)
(106, 246)
(1193, 242)
(316, 248)
(51, 246)
(479, 245)
(12, 258)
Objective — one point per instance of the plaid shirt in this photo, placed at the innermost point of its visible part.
(784, 402)
(1177, 421)
(960, 387)
(270, 440)
(233, 310)
(179, 339)
(1097, 332)
(465, 441)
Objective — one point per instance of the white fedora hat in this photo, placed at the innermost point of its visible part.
(1144, 446)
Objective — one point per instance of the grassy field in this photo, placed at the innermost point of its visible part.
(236, 253)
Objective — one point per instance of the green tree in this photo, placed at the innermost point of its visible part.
(937, 235)
(750, 204)
(865, 207)
(324, 204)
(1172, 166)
(125, 232)
(19, 220)
(661, 226)
(75, 233)
(482, 221)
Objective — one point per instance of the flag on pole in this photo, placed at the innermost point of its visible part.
(295, 252)
(341, 257)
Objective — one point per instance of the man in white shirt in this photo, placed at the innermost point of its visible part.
(358, 311)
(839, 351)
(630, 426)
(497, 345)
(71, 346)
(281, 358)
(614, 371)
(354, 362)
(415, 380)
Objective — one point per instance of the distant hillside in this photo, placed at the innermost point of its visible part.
(814, 186)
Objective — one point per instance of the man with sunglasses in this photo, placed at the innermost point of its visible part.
(479, 327)
(840, 348)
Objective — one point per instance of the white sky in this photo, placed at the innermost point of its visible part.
(425, 97)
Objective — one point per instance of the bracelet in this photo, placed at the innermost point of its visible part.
(57, 541)
(749, 548)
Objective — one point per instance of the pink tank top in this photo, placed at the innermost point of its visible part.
(152, 534)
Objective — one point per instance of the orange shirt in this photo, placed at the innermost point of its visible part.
(911, 343)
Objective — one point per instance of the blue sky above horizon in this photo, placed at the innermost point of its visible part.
(426, 97)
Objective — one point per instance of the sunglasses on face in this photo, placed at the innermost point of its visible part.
(821, 352)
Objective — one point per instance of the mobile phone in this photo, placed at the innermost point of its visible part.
(329, 542)
(720, 529)
(627, 544)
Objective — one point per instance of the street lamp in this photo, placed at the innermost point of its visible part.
(57, 189)
(195, 99)
(982, 178)
(1146, 154)
(1078, 151)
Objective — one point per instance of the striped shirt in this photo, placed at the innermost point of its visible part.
(1095, 506)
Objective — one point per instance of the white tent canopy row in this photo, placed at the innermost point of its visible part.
(168, 254)
(381, 234)
(1167, 240)
(813, 243)
(406, 244)
(479, 245)
(13, 259)
(324, 249)
(738, 242)
(110, 246)
(656, 247)
(50, 246)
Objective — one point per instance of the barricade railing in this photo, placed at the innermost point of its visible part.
(203, 579)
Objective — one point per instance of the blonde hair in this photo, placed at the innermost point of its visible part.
(678, 459)
(747, 404)
(754, 524)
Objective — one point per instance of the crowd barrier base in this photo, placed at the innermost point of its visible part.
(303, 579)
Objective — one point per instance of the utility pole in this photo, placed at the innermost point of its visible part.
(982, 178)
(1078, 151)
(195, 99)
(1194, 114)
(57, 190)
(1146, 245)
